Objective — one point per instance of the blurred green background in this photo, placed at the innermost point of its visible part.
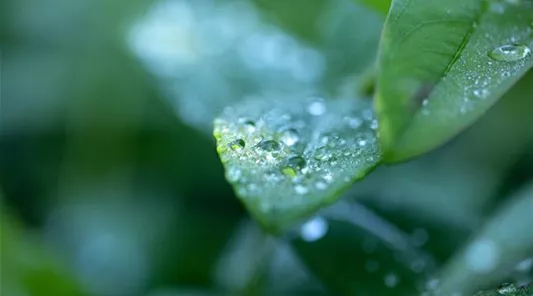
(109, 179)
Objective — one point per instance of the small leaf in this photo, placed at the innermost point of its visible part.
(443, 64)
(287, 158)
(501, 247)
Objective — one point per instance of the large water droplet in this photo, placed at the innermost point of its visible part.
(507, 288)
(293, 166)
(237, 145)
(268, 145)
(289, 137)
(314, 229)
(510, 53)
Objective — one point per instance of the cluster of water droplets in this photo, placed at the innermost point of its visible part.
(281, 152)
(482, 67)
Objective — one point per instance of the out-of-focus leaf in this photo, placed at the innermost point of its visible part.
(508, 290)
(216, 53)
(289, 157)
(491, 256)
(443, 64)
(355, 252)
(381, 6)
(28, 266)
(254, 263)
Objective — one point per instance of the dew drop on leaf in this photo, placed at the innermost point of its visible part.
(294, 165)
(507, 288)
(354, 122)
(268, 145)
(237, 145)
(233, 174)
(300, 189)
(317, 107)
(321, 185)
(510, 53)
(289, 137)
(249, 125)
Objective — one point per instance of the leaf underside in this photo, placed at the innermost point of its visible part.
(288, 157)
(436, 75)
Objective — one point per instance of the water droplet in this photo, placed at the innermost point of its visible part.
(289, 137)
(293, 165)
(362, 143)
(482, 256)
(507, 288)
(268, 145)
(328, 177)
(314, 229)
(300, 189)
(510, 53)
(374, 124)
(249, 125)
(237, 145)
(322, 154)
(354, 122)
(391, 280)
(481, 93)
(317, 107)
(233, 174)
(321, 185)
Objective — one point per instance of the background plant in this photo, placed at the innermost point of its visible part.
(105, 191)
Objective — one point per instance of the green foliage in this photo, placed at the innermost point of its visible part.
(289, 157)
(112, 185)
(442, 65)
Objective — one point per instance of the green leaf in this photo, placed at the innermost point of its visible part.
(496, 251)
(442, 64)
(360, 253)
(288, 157)
(508, 290)
(381, 6)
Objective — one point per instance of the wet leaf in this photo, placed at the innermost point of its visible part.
(502, 248)
(286, 158)
(443, 64)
